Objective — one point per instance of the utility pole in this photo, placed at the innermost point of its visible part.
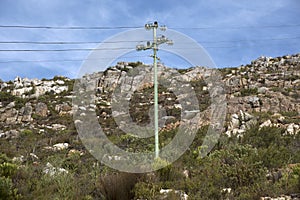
(154, 45)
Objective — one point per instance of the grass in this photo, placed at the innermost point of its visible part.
(248, 91)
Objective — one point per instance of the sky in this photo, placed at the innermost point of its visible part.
(232, 32)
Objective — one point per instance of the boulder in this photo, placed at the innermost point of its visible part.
(262, 90)
(41, 109)
(266, 123)
(254, 101)
(33, 156)
(26, 112)
(181, 194)
(58, 127)
(60, 146)
(240, 123)
(50, 170)
(21, 91)
(11, 105)
(63, 109)
(235, 121)
(18, 82)
(245, 116)
(10, 134)
(292, 129)
(10, 116)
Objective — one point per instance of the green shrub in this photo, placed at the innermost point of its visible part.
(55, 78)
(26, 132)
(263, 116)
(7, 191)
(58, 186)
(8, 169)
(296, 173)
(19, 102)
(163, 168)
(274, 156)
(144, 190)
(289, 113)
(248, 91)
(273, 146)
(135, 64)
(7, 98)
(264, 137)
(4, 158)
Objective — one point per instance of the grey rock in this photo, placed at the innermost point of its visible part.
(10, 116)
(254, 101)
(11, 105)
(10, 134)
(262, 90)
(26, 112)
(64, 108)
(245, 116)
(235, 122)
(58, 127)
(41, 109)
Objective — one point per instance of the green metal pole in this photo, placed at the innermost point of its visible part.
(155, 93)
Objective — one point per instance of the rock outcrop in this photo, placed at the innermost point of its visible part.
(267, 85)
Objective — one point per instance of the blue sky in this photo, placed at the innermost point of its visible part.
(233, 32)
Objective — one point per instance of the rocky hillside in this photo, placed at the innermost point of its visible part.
(267, 85)
(37, 128)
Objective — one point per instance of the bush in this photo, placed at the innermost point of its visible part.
(263, 116)
(290, 113)
(7, 169)
(7, 98)
(163, 168)
(264, 137)
(274, 149)
(135, 64)
(248, 91)
(58, 186)
(296, 173)
(7, 191)
(144, 190)
(3, 158)
(26, 132)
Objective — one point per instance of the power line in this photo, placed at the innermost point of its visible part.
(121, 48)
(129, 48)
(61, 42)
(67, 60)
(134, 27)
(70, 27)
(240, 27)
(124, 41)
(252, 40)
(45, 50)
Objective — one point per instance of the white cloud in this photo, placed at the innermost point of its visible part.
(193, 13)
